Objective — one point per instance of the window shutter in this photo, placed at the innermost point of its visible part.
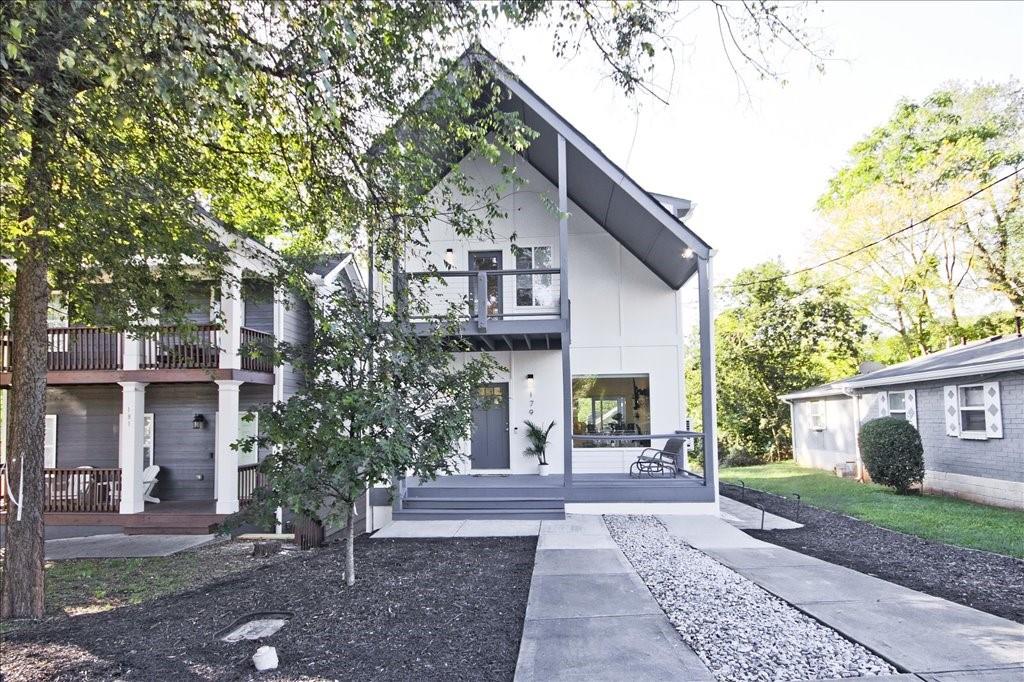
(147, 439)
(993, 410)
(910, 405)
(248, 429)
(50, 443)
(951, 406)
(883, 403)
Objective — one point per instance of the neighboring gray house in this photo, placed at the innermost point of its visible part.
(120, 405)
(967, 402)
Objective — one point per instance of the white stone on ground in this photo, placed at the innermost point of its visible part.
(265, 658)
(742, 632)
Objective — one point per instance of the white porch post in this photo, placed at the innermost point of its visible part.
(130, 443)
(229, 338)
(226, 459)
(709, 411)
(280, 300)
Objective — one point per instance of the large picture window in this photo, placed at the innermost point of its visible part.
(534, 290)
(611, 406)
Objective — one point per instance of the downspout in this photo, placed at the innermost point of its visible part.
(792, 428)
(856, 431)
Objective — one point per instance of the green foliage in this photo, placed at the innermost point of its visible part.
(378, 399)
(538, 437)
(773, 338)
(929, 155)
(933, 517)
(891, 450)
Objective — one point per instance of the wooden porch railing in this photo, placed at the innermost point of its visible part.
(256, 348)
(177, 348)
(72, 348)
(249, 479)
(76, 490)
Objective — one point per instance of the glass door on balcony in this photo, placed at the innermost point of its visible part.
(486, 260)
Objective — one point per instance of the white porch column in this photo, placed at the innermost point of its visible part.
(130, 443)
(563, 306)
(280, 300)
(226, 459)
(709, 410)
(229, 338)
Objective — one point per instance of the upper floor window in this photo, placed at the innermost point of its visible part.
(534, 290)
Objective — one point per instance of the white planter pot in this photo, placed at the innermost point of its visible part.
(542, 469)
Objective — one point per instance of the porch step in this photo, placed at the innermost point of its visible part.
(484, 503)
(467, 514)
(440, 490)
(171, 530)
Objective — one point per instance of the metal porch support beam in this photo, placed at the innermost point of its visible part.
(709, 413)
(563, 309)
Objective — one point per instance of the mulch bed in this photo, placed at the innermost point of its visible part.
(982, 580)
(449, 609)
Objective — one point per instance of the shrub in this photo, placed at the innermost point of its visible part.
(892, 452)
(741, 458)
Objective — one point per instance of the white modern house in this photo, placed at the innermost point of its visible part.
(967, 402)
(581, 307)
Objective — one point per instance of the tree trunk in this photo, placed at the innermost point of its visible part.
(350, 550)
(22, 595)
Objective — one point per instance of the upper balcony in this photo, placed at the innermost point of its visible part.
(88, 355)
(497, 309)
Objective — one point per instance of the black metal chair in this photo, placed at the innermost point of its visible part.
(653, 462)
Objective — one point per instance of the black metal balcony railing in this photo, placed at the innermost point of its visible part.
(487, 294)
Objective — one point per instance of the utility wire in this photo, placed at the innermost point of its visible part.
(869, 245)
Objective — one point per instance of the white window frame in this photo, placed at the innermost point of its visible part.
(816, 415)
(516, 251)
(902, 414)
(246, 430)
(961, 408)
(148, 440)
(50, 443)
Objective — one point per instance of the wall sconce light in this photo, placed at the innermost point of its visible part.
(530, 383)
(449, 258)
(198, 421)
(687, 252)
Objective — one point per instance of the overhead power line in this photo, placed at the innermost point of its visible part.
(874, 243)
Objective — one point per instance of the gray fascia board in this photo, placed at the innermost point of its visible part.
(595, 156)
(937, 374)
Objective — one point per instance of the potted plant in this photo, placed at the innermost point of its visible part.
(538, 437)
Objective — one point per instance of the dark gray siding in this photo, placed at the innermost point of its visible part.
(297, 327)
(259, 306)
(87, 424)
(184, 454)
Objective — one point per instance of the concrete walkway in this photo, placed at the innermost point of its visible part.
(744, 516)
(936, 639)
(473, 528)
(118, 546)
(590, 617)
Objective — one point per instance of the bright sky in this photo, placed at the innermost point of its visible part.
(756, 166)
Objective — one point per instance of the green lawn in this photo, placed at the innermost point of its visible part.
(944, 519)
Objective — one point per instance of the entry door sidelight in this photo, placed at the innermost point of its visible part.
(486, 260)
(489, 447)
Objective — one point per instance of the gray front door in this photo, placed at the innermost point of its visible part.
(489, 448)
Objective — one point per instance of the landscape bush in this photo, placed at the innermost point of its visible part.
(892, 453)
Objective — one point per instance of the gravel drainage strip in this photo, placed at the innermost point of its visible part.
(740, 631)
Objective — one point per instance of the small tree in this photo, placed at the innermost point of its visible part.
(378, 399)
(538, 437)
(892, 452)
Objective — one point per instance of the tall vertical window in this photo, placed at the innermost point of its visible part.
(534, 290)
(611, 406)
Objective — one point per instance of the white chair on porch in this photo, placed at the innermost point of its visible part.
(149, 476)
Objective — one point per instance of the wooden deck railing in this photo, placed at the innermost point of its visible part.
(72, 349)
(256, 348)
(249, 479)
(178, 348)
(76, 490)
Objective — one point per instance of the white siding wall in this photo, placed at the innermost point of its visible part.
(624, 319)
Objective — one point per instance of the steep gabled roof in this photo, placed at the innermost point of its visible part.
(633, 216)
